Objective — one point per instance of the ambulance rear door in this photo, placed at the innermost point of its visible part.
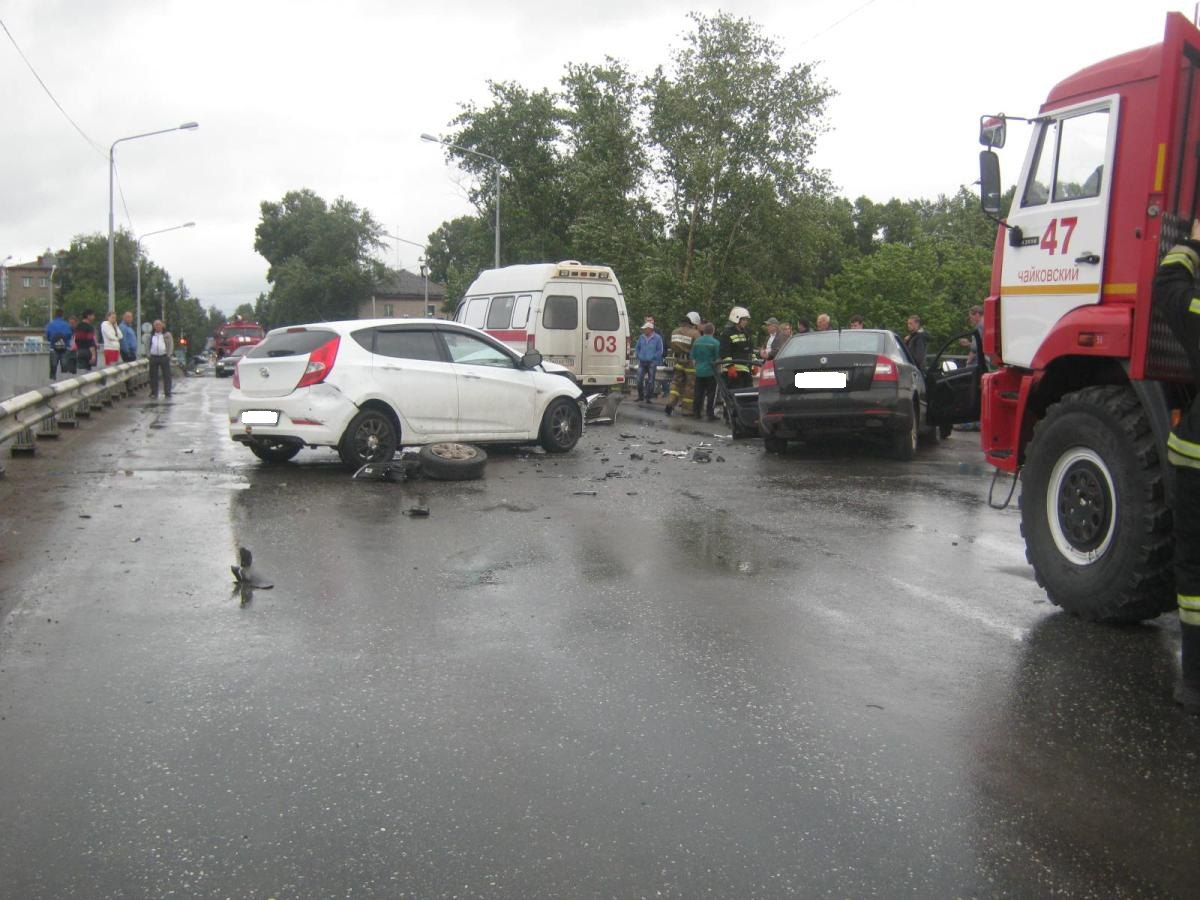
(604, 332)
(559, 324)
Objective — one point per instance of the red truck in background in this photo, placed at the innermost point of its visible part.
(1086, 378)
(236, 333)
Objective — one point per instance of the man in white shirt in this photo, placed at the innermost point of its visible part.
(159, 349)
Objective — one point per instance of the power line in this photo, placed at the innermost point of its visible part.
(82, 133)
(848, 15)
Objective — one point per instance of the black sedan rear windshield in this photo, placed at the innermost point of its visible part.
(832, 342)
(300, 342)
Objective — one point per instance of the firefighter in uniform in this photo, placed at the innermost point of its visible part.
(736, 350)
(683, 382)
(1176, 294)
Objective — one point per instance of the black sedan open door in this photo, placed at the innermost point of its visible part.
(954, 386)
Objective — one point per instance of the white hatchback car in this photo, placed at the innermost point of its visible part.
(365, 386)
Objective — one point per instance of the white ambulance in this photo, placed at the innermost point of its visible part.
(571, 313)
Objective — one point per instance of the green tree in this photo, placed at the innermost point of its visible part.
(732, 134)
(246, 311)
(320, 258)
(36, 310)
(82, 275)
(605, 168)
(456, 252)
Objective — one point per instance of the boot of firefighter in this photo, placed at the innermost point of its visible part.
(1187, 692)
(1187, 580)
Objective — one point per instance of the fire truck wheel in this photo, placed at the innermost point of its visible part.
(1093, 512)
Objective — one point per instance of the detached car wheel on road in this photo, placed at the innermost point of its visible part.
(452, 461)
(363, 387)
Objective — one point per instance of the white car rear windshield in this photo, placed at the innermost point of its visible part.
(291, 343)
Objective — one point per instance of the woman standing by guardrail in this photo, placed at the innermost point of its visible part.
(110, 335)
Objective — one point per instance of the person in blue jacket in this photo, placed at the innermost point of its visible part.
(58, 335)
(128, 338)
(649, 353)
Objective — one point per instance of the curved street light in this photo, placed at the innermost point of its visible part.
(433, 140)
(112, 292)
(137, 258)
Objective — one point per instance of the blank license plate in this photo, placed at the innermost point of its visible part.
(260, 417)
(822, 381)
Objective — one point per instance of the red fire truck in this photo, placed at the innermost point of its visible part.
(236, 333)
(1087, 379)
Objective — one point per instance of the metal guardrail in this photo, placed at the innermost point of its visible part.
(7, 346)
(62, 402)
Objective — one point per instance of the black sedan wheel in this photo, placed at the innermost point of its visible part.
(904, 443)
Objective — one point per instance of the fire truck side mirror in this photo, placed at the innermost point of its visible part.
(992, 131)
(989, 182)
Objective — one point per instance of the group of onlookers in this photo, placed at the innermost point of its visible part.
(693, 381)
(74, 346)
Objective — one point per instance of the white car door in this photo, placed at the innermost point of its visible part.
(409, 371)
(496, 398)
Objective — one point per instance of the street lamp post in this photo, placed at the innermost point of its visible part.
(137, 259)
(112, 291)
(496, 162)
(4, 281)
(50, 300)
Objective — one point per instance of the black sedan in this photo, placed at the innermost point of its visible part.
(226, 364)
(830, 383)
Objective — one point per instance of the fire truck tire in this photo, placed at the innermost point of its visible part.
(1093, 512)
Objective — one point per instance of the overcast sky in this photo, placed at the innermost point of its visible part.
(333, 96)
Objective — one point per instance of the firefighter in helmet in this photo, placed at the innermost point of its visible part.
(1177, 296)
(736, 349)
(683, 382)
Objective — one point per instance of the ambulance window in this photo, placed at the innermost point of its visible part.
(561, 313)
(500, 313)
(1037, 191)
(476, 312)
(1081, 147)
(602, 314)
(521, 311)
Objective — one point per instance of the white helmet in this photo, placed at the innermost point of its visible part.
(694, 318)
(738, 313)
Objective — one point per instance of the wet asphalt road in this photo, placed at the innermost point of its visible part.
(819, 674)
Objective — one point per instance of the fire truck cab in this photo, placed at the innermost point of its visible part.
(1085, 376)
(236, 333)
